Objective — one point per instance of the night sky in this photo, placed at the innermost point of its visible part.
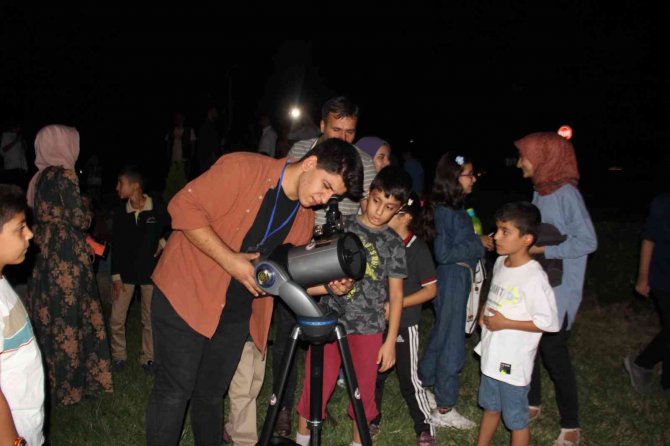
(469, 77)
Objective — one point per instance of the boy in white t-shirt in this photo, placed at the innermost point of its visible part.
(520, 307)
(21, 370)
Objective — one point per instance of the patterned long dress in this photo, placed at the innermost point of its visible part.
(63, 298)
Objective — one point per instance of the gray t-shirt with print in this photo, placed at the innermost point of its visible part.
(362, 309)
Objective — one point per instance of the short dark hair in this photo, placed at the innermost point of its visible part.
(523, 215)
(134, 174)
(394, 182)
(12, 202)
(339, 157)
(341, 107)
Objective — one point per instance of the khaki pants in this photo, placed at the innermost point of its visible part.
(243, 391)
(117, 323)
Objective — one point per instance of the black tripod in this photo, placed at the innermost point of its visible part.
(317, 331)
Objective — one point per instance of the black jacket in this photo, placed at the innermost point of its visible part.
(134, 243)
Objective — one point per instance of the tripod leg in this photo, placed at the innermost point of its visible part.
(275, 400)
(315, 394)
(352, 386)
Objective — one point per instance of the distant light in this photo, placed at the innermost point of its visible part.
(615, 169)
(565, 131)
(295, 113)
(411, 141)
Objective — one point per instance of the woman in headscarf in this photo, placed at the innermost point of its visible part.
(378, 149)
(63, 298)
(549, 160)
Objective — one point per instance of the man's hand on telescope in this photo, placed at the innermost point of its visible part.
(239, 266)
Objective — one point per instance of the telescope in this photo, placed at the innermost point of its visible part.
(286, 272)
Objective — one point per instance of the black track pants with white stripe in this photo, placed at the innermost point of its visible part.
(407, 360)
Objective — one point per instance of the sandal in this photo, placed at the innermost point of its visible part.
(562, 441)
(534, 412)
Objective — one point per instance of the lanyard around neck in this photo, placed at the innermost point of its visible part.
(269, 233)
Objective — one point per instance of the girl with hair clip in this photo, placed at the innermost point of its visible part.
(457, 249)
(549, 160)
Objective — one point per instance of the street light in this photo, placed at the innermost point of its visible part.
(295, 113)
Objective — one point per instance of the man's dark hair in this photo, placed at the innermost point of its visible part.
(12, 202)
(134, 175)
(394, 182)
(522, 214)
(341, 158)
(340, 107)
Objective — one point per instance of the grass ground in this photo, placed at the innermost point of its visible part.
(610, 325)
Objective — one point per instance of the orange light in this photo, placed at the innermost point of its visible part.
(565, 131)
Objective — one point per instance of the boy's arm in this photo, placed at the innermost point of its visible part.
(425, 294)
(7, 429)
(497, 322)
(386, 356)
(642, 283)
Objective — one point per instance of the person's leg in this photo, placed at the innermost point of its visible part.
(242, 393)
(147, 337)
(452, 347)
(117, 322)
(488, 427)
(535, 392)
(556, 358)
(428, 361)
(407, 352)
(178, 350)
(379, 393)
(364, 350)
(331, 368)
(489, 400)
(220, 358)
(514, 401)
(659, 348)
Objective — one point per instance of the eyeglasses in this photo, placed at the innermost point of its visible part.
(471, 174)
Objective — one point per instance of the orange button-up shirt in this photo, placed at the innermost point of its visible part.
(227, 197)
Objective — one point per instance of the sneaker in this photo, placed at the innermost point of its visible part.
(425, 439)
(283, 424)
(118, 365)
(640, 378)
(341, 382)
(562, 441)
(450, 419)
(534, 412)
(431, 399)
(149, 368)
(374, 430)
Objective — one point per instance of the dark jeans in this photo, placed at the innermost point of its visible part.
(658, 350)
(554, 352)
(190, 367)
(284, 321)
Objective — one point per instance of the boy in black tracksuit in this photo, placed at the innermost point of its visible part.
(140, 224)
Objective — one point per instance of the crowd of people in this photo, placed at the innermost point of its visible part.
(206, 322)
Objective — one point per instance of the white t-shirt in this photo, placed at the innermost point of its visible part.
(21, 370)
(520, 293)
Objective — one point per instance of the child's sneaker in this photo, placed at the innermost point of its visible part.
(425, 439)
(374, 430)
(562, 440)
(118, 365)
(640, 378)
(450, 418)
(431, 399)
(341, 383)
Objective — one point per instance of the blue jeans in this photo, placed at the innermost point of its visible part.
(192, 368)
(444, 355)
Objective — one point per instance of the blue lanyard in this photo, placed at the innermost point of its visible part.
(269, 234)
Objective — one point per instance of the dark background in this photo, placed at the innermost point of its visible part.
(469, 77)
